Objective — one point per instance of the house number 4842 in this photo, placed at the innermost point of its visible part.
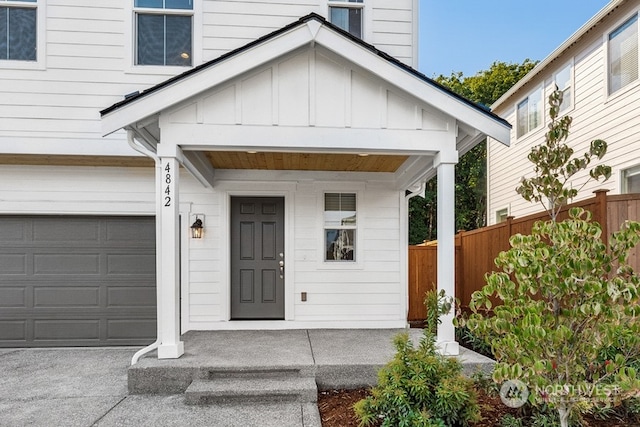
(168, 179)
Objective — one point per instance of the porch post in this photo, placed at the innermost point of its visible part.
(445, 163)
(169, 282)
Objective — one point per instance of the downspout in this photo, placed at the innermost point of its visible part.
(156, 159)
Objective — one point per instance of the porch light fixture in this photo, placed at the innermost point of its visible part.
(196, 228)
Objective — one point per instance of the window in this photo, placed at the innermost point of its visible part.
(623, 55)
(340, 226)
(347, 14)
(529, 113)
(501, 215)
(18, 30)
(164, 32)
(563, 82)
(631, 180)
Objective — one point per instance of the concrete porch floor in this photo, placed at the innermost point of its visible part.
(336, 358)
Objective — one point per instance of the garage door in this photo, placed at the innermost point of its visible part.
(77, 281)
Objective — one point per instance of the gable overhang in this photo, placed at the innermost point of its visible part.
(461, 124)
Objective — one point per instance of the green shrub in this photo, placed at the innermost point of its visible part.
(419, 387)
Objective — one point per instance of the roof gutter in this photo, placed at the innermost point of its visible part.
(556, 53)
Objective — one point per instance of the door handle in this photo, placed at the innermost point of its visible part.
(281, 269)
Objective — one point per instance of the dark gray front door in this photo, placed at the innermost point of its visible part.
(257, 252)
(77, 281)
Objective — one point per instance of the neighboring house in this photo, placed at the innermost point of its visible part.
(597, 69)
(295, 145)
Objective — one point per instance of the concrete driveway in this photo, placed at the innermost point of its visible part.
(88, 387)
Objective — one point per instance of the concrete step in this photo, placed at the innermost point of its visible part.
(251, 390)
(253, 372)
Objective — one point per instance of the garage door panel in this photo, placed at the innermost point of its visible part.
(11, 264)
(132, 296)
(13, 330)
(131, 328)
(66, 329)
(63, 297)
(67, 264)
(13, 231)
(12, 297)
(119, 231)
(54, 229)
(69, 281)
(131, 263)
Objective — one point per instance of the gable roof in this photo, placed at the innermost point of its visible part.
(451, 109)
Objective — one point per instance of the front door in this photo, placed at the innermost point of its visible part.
(257, 258)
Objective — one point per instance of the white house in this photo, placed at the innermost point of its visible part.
(291, 139)
(597, 68)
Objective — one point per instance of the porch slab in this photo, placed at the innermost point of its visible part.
(336, 358)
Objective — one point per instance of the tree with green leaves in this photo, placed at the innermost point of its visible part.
(483, 88)
(567, 324)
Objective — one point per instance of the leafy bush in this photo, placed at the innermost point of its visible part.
(419, 387)
(567, 326)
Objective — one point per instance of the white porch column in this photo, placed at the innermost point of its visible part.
(445, 163)
(169, 281)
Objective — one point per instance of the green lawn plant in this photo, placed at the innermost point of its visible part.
(419, 387)
(567, 325)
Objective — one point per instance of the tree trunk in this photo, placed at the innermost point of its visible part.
(564, 411)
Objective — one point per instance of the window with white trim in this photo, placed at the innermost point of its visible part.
(340, 226)
(163, 32)
(529, 113)
(563, 82)
(19, 30)
(502, 215)
(347, 14)
(631, 180)
(623, 55)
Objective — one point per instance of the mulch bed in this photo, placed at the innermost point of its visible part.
(336, 410)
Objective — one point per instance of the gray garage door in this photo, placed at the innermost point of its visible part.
(77, 281)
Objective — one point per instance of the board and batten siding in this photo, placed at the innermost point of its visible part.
(54, 109)
(596, 115)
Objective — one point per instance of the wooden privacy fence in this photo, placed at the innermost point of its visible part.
(476, 250)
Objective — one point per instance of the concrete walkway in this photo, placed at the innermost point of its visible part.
(88, 387)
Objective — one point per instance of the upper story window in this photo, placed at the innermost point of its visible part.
(340, 226)
(164, 32)
(347, 14)
(18, 30)
(563, 82)
(530, 113)
(623, 55)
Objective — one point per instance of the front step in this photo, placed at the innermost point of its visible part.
(246, 389)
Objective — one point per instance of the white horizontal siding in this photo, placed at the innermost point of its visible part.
(615, 119)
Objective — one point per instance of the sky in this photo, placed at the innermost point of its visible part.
(469, 35)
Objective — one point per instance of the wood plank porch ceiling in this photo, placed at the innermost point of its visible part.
(305, 161)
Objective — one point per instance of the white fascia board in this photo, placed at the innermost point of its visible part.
(417, 87)
(200, 81)
(305, 139)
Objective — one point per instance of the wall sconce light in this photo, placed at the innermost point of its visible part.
(196, 228)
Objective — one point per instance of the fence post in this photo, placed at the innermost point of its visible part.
(600, 213)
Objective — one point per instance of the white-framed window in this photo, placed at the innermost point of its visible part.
(529, 113)
(340, 227)
(623, 55)
(19, 30)
(502, 215)
(631, 180)
(563, 80)
(163, 32)
(347, 14)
